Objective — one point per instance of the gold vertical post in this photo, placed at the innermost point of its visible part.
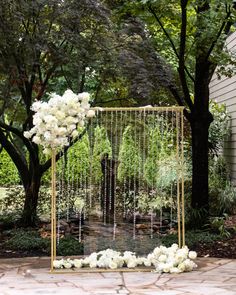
(53, 208)
(178, 184)
(182, 176)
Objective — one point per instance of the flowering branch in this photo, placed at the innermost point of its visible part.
(56, 121)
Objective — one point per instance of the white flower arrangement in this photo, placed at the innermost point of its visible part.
(164, 260)
(57, 120)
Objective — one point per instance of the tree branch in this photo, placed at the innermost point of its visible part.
(222, 27)
(45, 82)
(16, 158)
(47, 164)
(181, 68)
(20, 135)
(169, 38)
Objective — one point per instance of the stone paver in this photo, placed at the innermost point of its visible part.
(212, 277)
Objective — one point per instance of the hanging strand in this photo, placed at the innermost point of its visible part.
(178, 184)
(105, 179)
(115, 171)
(68, 186)
(99, 180)
(134, 179)
(125, 180)
(111, 165)
(59, 196)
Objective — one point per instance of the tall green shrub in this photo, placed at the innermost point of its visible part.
(79, 159)
(8, 172)
(130, 159)
(102, 146)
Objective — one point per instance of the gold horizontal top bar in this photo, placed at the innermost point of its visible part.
(148, 108)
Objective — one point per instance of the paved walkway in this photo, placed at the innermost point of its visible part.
(26, 276)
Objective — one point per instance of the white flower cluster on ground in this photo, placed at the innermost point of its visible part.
(164, 260)
(57, 120)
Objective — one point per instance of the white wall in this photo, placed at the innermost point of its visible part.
(224, 91)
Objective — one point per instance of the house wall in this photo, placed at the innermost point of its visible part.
(224, 91)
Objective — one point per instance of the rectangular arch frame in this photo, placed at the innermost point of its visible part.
(179, 116)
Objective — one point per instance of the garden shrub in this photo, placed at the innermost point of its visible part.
(129, 157)
(8, 171)
(27, 240)
(69, 246)
(101, 146)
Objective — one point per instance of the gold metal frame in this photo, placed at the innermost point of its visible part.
(180, 184)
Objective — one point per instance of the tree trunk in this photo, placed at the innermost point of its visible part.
(200, 121)
(199, 164)
(29, 214)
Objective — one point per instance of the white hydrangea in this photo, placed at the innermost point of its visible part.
(57, 120)
(165, 260)
(192, 255)
(77, 263)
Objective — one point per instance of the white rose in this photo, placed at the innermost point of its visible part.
(189, 265)
(86, 261)
(81, 123)
(57, 263)
(174, 247)
(119, 261)
(47, 135)
(37, 120)
(181, 267)
(93, 264)
(90, 114)
(162, 258)
(167, 267)
(131, 263)
(77, 263)
(47, 151)
(84, 96)
(112, 265)
(85, 105)
(36, 139)
(60, 115)
(67, 264)
(74, 133)
(69, 95)
(50, 119)
(147, 263)
(71, 127)
(27, 134)
(192, 255)
(175, 270)
(36, 106)
(157, 251)
(140, 260)
(163, 249)
(160, 267)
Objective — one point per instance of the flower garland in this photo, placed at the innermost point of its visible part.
(164, 260)
(57, 120)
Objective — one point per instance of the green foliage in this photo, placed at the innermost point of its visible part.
(193, 238)
(220, 128)
(221, 191)
(101, 146)
(161, 169)
(217, 224)
(153, 201)
(27, 240)
(129, 156)
(8, 171)
(69, 246)
(13, 202)
(78, 158)
(195, 218)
